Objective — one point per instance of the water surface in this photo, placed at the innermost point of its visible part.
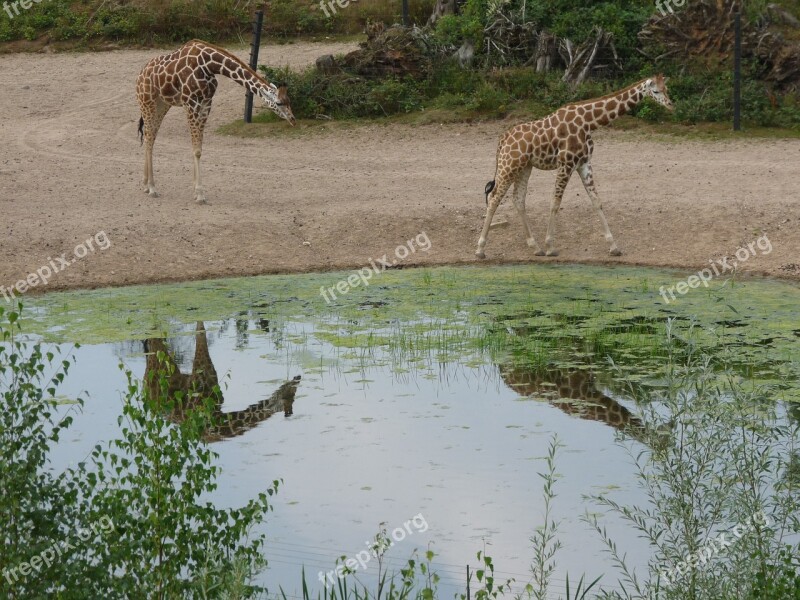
(430, 393)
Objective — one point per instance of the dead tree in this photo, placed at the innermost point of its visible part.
(508, 39)
(441, 8)
(704, 31)
(546, 56)
(583, 60)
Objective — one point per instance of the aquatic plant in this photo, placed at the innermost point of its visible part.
(721, 515)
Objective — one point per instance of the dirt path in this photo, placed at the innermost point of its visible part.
(70, 166)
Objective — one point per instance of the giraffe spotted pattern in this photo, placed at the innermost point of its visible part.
(186, 392)
(187, 77)
(561, 141)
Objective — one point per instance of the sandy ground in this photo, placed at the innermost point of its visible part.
(71, 166)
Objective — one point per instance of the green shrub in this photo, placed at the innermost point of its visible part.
(37, 507)
(571, 19)
(394, 96)
(698, 97)
(158, 536)
(453, 30)
(291, 17)
(489, 99)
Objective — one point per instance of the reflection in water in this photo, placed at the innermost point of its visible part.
(203, 382)
(573, 391)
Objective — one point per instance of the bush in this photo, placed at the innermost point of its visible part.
(490, 100)
(453, 30)
(129, 522)
(571, 19)
(37, 507)
(290, 17)
(394, 96)
(181, 20)
(492, 93)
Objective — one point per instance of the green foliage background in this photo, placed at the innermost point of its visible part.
(702, 93)
(497, 87)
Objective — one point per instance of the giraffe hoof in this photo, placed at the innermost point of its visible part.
(539, 252)
(615, 252)
(480, 254)
(552, 253)
(152, 193)
(532, 244)
(202, 201)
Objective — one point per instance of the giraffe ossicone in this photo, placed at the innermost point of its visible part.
(560, 141)
(187, 77)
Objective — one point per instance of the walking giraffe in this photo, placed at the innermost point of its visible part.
(560, 141)
(187, 77)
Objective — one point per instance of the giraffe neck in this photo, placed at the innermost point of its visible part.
(222, 62)
(600, 112)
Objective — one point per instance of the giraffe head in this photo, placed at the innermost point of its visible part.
(656, 88)
(276, 99)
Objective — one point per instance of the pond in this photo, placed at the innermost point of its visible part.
(424, 402)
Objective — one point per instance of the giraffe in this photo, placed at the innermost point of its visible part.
(557, 385)
(561, 141)
(203, 383)
(187, 77)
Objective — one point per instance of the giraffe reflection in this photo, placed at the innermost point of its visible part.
(579, 388)
(203, 382)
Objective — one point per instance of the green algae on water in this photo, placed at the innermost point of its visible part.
(539, 316)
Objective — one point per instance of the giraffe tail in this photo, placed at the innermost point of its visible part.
(141, 130)
(488, 190)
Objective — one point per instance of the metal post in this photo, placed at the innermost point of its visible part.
(737, 72)
(254, 46)
(406, 18)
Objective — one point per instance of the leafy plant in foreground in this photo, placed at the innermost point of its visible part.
(721, 515)
(37, 507)
(162, 539)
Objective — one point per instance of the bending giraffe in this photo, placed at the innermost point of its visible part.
(184, 392)
(562, 141)
(187, 77)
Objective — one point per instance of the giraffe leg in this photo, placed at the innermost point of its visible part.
(585, 171)
(562, 178)
(153, 114)
(495, 197)
(520, 191)
(198, 115)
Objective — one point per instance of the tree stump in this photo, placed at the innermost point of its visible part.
(441, 8)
